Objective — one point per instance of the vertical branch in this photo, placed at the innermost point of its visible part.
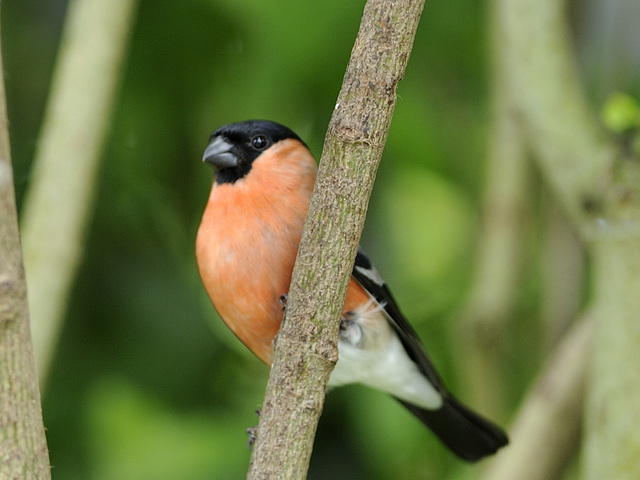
(612, 441)
(496, 280)
(601, 195)
(23, 447)
(306, 347)
(58, 204)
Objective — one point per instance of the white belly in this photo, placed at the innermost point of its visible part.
(388, 369)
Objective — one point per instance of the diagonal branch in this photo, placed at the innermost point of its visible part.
(545, 88)
(58, 204)
(306, 347)
(549, 421)
(505, 215)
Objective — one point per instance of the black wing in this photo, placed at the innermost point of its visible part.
(369, 278)
(465, 432)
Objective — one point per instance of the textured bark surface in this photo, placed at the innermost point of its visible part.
(306, 347)
(23, 447)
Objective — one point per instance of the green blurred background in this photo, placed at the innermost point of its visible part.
(147, 383)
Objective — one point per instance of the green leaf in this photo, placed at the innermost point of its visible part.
(621, 113)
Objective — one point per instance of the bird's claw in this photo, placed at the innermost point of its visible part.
(252, 433)
(283, 300)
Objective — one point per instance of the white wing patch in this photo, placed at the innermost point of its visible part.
(371, 273)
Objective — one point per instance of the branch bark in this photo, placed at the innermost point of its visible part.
(58, 204)
(306, 346)
(23, 447)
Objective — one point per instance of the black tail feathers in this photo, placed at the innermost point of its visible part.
(466, 433)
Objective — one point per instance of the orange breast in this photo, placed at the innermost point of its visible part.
(248, 240)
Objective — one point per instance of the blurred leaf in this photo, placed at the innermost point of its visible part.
(621, 113)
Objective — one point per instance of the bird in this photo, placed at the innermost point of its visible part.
(246, 247)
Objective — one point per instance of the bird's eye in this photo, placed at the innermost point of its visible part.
(259, 142)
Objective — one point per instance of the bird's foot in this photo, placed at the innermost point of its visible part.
(283, 300)
(252, 433)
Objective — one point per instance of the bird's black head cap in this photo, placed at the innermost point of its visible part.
(233, 147)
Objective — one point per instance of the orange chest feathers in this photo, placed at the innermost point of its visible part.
(248, 239)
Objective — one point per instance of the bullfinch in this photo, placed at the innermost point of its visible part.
(246, 247)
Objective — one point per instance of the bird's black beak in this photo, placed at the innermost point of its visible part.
(220, 153)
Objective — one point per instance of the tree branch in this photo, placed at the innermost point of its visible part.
(504, 216)
(545, 88)
(58, 204)
(561, 272)
(23, 447)
(612, 440)
(549, 420)
(306, 347)
(601, 194)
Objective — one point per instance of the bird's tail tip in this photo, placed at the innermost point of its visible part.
(464, 432)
